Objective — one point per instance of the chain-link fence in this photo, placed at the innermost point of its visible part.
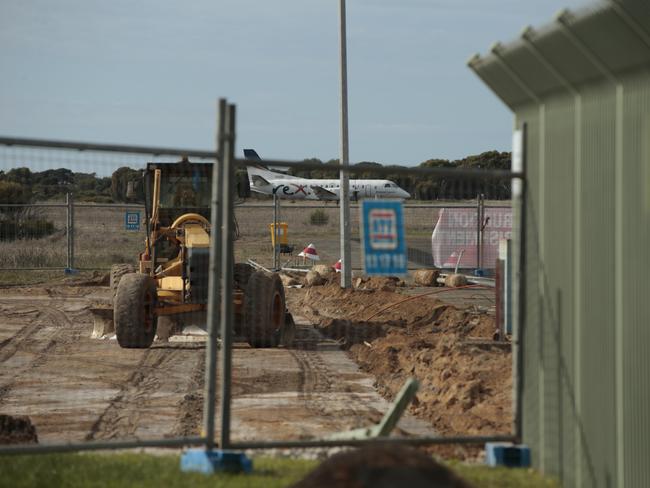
(121, 350)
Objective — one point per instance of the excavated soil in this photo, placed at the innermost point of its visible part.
(465, 376)
(381, 467)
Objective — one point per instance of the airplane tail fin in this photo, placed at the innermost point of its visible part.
(252, 155)
(257, 169)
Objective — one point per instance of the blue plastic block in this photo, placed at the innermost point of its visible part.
(507, 454)
(70, 271)
(214, 461)
(479, 272)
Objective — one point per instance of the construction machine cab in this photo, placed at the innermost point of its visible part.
(184, 188)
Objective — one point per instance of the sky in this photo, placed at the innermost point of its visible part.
(150, 73)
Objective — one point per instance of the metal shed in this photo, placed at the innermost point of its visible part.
(581, 88)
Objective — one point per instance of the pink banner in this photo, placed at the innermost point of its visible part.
(454, 237)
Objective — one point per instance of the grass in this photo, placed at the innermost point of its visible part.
(141, 470)
(486, 477)
(147, 470)
(101, 240)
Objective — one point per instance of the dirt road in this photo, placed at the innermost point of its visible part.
(75, 388)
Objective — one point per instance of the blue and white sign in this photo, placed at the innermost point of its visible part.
(132, 220)
(384, 241)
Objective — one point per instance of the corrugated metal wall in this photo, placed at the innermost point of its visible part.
(570, 392)
(635, 274)
(586, 391)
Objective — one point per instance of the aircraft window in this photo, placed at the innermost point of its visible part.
(387, 185)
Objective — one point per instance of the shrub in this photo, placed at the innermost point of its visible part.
(12, 192)
(25, 229)
(319, 217)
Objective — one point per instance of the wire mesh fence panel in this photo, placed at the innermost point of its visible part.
(106, 235)
(87, 356)
(112, 346)
(351, 351)
(32, 237)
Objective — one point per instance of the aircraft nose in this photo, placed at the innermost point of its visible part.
(405, 194)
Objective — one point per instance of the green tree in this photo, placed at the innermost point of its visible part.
(120, 181)
(22, 176)
(12, 192)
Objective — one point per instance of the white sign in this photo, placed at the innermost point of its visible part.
(454, 239)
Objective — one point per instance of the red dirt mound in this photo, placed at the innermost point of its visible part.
(382, 467)
(465, 376)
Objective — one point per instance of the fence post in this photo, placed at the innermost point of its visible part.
(227, 267)
(69, 228)
(480, 226)
(276, 259)
(518, 293)
(214, 286)
(478, 231)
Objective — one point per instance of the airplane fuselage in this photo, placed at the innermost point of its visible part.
(312, 189)
(263, 180)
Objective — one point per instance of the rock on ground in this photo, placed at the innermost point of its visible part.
(289, 280)
(323, 269)
(312, 278)
(455, 280)
(426, 277)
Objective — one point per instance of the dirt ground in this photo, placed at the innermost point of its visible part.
(74, 388)
(345, 367)
(465, 376)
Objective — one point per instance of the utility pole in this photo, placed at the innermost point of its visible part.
(344, 193)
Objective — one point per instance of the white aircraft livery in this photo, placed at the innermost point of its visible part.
(263, 180)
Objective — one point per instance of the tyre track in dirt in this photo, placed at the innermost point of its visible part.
(121, 417)
(78, 388)
(11, 345)
(152, 385)
(317, 381)
(30, 347)
(190, 408)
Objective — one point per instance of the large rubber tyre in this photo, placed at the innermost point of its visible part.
(117, 271)
(134, 311)
(264, 310)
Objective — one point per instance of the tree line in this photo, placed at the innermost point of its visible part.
(21, 185)
(430, 187)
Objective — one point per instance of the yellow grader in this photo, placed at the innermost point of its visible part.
(171, 281)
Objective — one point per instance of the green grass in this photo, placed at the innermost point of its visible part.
(486, 477)
(147, 470)
(141, 470)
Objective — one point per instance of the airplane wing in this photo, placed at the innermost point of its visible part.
(259, 181)
(322, 193)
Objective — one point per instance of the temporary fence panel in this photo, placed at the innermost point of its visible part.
(67, 216)
(312, 382)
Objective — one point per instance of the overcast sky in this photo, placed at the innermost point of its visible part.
(150, 72)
